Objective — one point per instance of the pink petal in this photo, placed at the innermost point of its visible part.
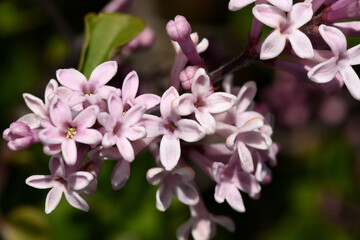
(108, 140)
(351, 28)
(120, 174)
(71, 78)
(156, 175)
(125, 148)
(115, 106)
(163, 198)
(86, 118)
(185, 173)
(324, 72)
(68, 148)
(135, 133)
(352, 81)
(134, 114)
(75, 200)
(103, 73)
(150, 100)
(354, 55)
(245, 96)
(273, 45)
(169, 152)
(285, 5)
(247, 183)
(60, 113)
(165, 103)
(207, 121)
(233, 197)
(152, 124)
(200, 84)
(202, 229)
(255, 140)
(186, 194)
(301, 44)
(40, 181)
(52, 135)
(32, 120)
(246, 159)
(107, 121)
(235, 5)
(269, 15)
(300, 14)
(36, 105)
(57, 167)
(130, 86)
(226, 222)
(104, 91)
(189, 130)
(183, 232)
(220, 192)
(184, 105)
(220, 102)
(334, 38)
(79, 180)
(52, 199)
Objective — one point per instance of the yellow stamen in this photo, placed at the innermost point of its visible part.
(89, 94)
(71, 132)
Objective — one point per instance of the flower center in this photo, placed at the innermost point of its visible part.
(71, 132)
(171, 126)
(89, 94)
(198, 104)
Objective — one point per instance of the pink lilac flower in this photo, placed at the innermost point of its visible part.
(129, 89)
(285, 28)
(173, 128)
(343, 10)
(122, 126)
(285, 5)
(92, 90)
(64, 130)
(202, 102)
(61, 181)
(39, 108)
(176, 182)
(20, 136)
(341, 62)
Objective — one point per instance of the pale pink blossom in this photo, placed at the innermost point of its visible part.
(173, 128)
(285, 5)
(341, 62)
(92, 90)
(285, 28)
(203, 102)
(64, 130)
(176, 182)
(122, 126)
(20, 136)
(61, 181)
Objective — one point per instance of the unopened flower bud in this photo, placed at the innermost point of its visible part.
(19, 136)
(179, 29)
(187, 75)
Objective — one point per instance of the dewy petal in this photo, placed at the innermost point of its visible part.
(233, 197)
(285, 5)
(75, 200)
(163, 198)
(269, 15)
(60, 113)
(184, 105)
(103, 73)
(235, 5)
(200, 84)
(150, 100)
(156, 175)
(40, 181)
(86, 118)
(36, 105)
(169, 152)
(220, 102)
(354, 55)
(301, 44)
(273, 45)
(71, 78)
(52, 199)
(300, 14)
(352, 81)
(186, 194)
(189, 130)
(125, 148)
(324, 72)
(68, 148)
(79, 180)
(246, 159)
(130, 86)
(120, 174)
(166, 99)
(334, 38)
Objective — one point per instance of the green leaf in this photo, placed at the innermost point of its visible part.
(105, 33)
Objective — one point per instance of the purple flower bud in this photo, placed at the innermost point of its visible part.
(343, 10)
(19, 136)
(187, 75)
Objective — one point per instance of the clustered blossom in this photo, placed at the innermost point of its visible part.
(83, 122)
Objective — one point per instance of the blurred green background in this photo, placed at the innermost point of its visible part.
(315, 192)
